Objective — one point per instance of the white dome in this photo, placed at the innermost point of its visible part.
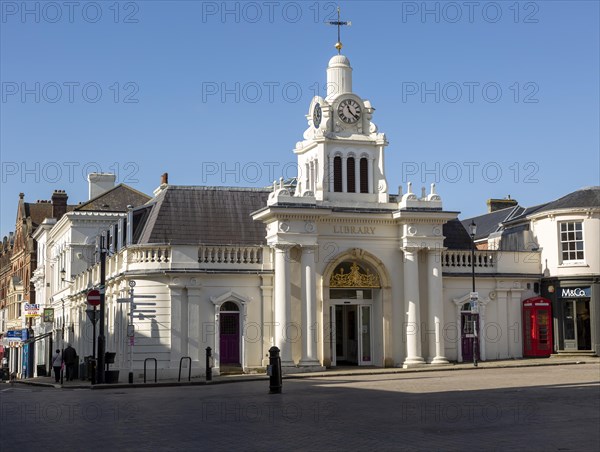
(339, 60)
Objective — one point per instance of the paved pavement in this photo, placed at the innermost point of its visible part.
(338, 371)
(545, 408)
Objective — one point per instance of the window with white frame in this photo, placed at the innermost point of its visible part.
(571, 241)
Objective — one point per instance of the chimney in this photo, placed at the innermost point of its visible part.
(99, 183)
(164, 183)
(498, 204)
(59, 204)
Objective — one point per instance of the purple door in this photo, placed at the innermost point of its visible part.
(468, 321)
(230, 337)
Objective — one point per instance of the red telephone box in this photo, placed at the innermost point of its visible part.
(537, 327)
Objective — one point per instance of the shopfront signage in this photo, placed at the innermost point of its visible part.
(575, 292)
(49, 315)
(16, 335)
(32, 310)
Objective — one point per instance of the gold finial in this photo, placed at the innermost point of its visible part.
(339, 23)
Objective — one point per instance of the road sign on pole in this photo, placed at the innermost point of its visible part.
(91, 313)
(93, 297)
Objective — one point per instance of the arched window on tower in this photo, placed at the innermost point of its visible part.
(364, 175)
(351, 175)
(337, 174)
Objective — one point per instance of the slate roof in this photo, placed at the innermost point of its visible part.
(38, 212)
(491, 222)
(115, 200)
(182, 215)
(456, 236)
(583, 198)
(496, 221)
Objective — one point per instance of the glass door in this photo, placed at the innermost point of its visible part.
(350, 334)
(332, 335)
(364, 337)
(576, 325)
(584, 334)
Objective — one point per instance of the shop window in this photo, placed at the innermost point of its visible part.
(571, 241)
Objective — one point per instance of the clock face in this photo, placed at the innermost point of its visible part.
(349, 111)
(317, 115)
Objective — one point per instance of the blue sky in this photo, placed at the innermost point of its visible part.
(487, 99)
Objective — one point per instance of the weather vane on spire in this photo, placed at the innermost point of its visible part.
(339, 23)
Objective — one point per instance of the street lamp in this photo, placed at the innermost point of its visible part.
(62, 370)
(474, 295)
(63, 276)
(473, 231)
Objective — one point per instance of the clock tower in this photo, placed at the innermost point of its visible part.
(341, 159)
(348, 253)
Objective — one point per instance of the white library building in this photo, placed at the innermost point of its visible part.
(332, 268)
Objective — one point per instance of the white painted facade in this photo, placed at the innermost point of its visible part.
(282, 291)
(406, 309)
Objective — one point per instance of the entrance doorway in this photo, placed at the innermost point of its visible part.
(229, 334)
(576, 325)
(352, 291)
(351, 342)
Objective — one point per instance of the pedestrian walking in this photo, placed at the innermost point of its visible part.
(70, 358)
(56, 364)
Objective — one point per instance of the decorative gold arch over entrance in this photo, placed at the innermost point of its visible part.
(356, 277)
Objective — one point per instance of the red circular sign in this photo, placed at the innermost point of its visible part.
(93, 297)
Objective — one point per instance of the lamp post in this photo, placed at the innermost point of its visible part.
(63, 275)
(101, 338)
(474, 295)
(62, 334)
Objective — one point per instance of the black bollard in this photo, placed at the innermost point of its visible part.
(208, 364)
(275, 381)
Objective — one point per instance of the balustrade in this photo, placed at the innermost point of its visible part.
(230, 255)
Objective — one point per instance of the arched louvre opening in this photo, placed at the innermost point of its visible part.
(350, 166)
(364, 175)
(337, 174)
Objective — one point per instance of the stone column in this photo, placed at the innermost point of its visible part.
(330, 174)
(411, 298)
(515, 326)
(195, 325)
(357, 175)
(435, 307)
(179, 324)
(283, 307)
(459, 332)
(309, 307)
(504, 340)
(306, 185)
(481, 333)
(267, 310)
(371, 175)
(345, 174)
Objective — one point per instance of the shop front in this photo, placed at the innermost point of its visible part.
(576, 315)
